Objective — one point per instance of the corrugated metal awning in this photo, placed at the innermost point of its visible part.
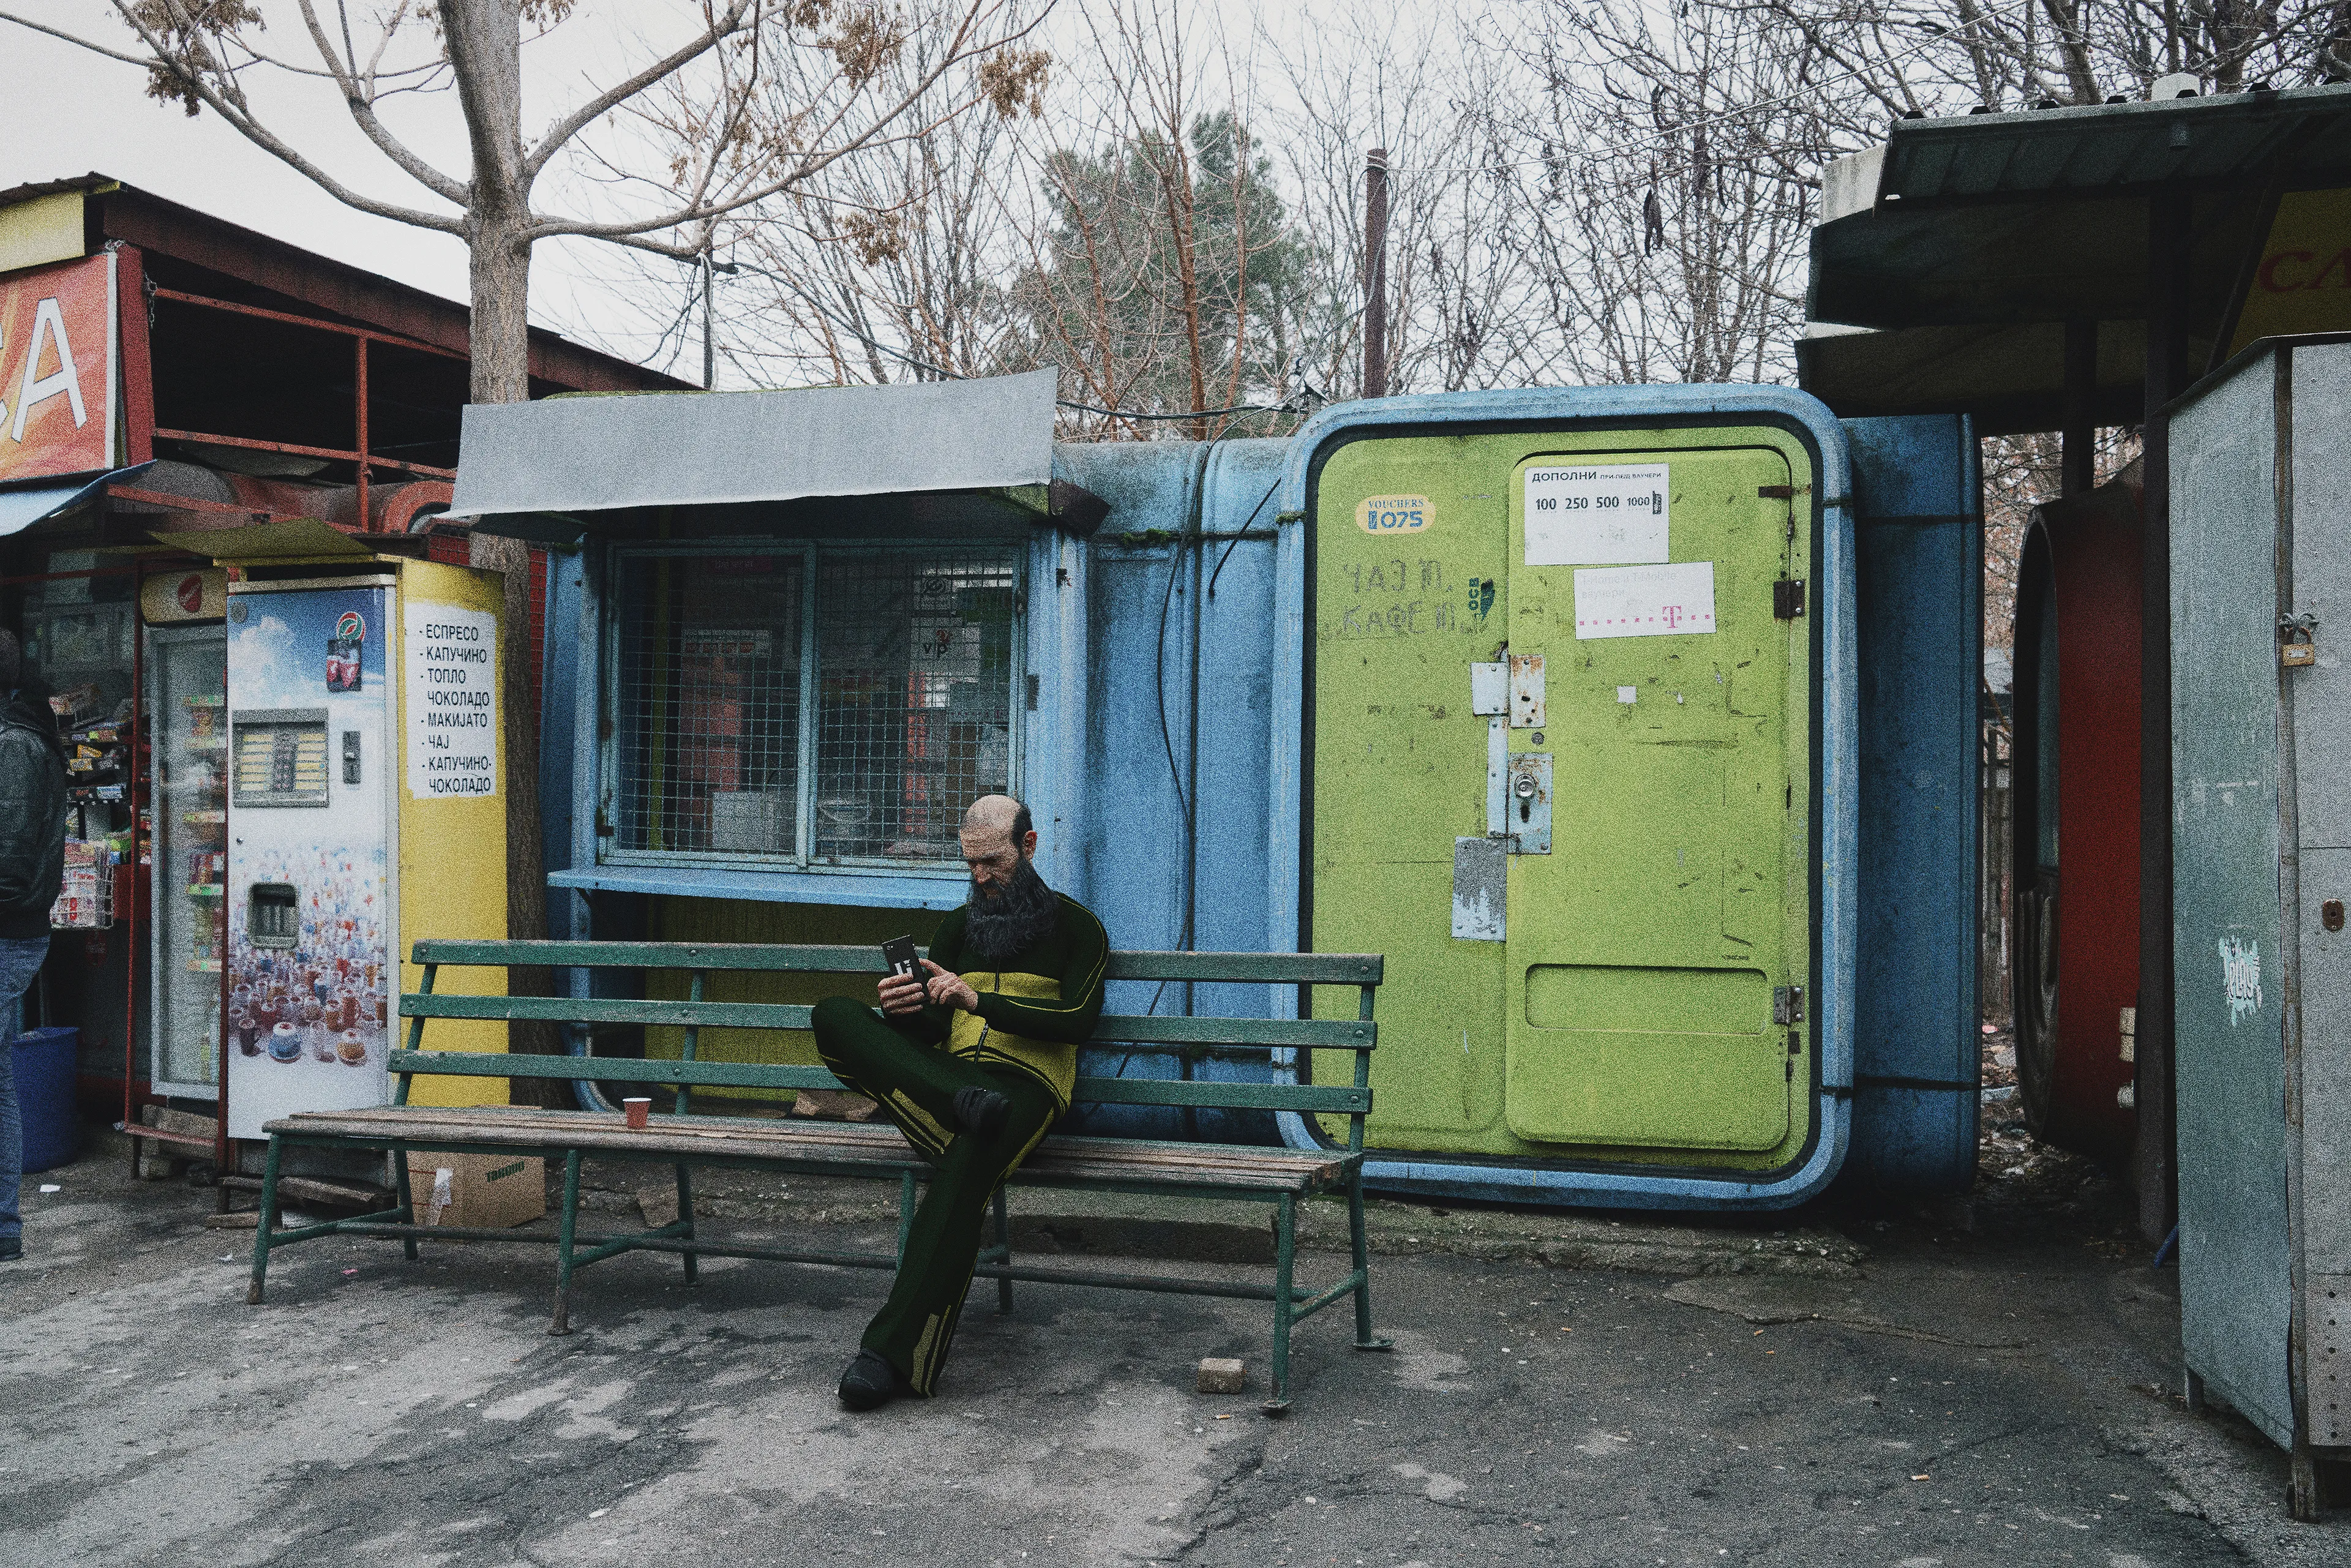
(2110, 147)
(2043, 215)
(599, 452)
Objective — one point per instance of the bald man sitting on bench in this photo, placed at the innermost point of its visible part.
(974, 1060)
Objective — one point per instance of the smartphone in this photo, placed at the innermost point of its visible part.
(899, 954)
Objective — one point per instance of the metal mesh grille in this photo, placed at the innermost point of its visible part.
(707, 705)
(914, 689)
(913, 665)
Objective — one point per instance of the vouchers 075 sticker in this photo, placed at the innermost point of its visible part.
(1608, 514)
(1394, 514)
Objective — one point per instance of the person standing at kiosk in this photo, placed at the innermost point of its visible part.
(32, 867)
(973, 1062)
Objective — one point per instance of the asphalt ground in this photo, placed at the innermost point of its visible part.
(1987, 1382)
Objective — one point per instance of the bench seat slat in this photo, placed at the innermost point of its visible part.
(1312, 1034)
(824, 1143)
(1237, 968)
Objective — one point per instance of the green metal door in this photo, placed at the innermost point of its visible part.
(1658, 706)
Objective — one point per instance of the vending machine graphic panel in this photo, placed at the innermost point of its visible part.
(310, 906)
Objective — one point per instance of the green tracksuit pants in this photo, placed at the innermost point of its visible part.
(916, 1084)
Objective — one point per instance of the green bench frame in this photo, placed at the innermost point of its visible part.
(1280, 1177)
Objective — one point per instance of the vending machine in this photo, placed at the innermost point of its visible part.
(366, 810)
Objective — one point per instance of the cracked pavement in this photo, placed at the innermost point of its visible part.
(1991, 1383)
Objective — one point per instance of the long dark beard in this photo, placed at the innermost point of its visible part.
(1023, 912)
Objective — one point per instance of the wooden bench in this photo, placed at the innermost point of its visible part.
(1281, 1178)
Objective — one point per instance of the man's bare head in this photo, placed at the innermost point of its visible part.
(998, 835)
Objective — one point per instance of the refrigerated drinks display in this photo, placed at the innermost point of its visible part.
(187, 674)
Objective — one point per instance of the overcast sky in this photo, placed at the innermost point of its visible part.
(65, 112)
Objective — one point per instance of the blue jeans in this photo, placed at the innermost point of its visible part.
(20, 961)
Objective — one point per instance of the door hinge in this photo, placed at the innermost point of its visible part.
(1780, 492)
(1788, 598)
(1787, 1005)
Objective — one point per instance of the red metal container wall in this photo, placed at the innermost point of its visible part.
(2081, 565)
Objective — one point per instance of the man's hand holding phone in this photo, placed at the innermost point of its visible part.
(902, 988)
(907, 987)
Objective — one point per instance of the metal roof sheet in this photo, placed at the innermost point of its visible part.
(597, 453)
(2042, 215)
(2108, 147)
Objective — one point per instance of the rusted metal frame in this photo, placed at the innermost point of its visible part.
(366, 334)
(137, 354)
(184, 502)
(339, 454)
(359, 419)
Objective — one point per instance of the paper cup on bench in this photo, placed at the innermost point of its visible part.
(636, 1109)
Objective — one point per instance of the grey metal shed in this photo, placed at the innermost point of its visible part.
(2261, 594)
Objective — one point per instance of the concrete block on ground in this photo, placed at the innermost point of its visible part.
(1221, 1375)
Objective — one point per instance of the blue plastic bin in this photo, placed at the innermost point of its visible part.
(45, 1095)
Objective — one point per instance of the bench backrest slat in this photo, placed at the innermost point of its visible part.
(1312, 1034)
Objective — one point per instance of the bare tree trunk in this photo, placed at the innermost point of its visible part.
(485, 48)
(501, 323)
(484, 40)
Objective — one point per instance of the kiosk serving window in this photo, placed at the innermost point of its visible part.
(825, 705)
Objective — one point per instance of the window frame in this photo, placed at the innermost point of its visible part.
(810, 553)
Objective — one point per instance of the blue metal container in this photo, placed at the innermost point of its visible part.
(1161, 752)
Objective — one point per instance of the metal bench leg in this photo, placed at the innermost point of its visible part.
(407, 1199)
(1285, 1302)
(268, 1222)
(567, 1227)
(906, 1213)
(1365, 1339)
(1003, 1240)
(685, 1217)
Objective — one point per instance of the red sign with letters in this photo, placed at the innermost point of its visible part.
(56, 368)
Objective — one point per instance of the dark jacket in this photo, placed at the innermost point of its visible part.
(32, 816)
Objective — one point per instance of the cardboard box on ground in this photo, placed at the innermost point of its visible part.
(477, 1191)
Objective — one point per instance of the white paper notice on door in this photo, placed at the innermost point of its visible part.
(1674, 601)
(1597, 515)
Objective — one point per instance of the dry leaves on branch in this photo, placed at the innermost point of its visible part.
(1014, 79)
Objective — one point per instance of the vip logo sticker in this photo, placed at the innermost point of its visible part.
(2240, 977)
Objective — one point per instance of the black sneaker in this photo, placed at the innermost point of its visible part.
(871, 1381)
(11, 1249)
(980, 1111)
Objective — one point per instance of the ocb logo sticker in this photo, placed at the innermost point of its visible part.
(1393, 514)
